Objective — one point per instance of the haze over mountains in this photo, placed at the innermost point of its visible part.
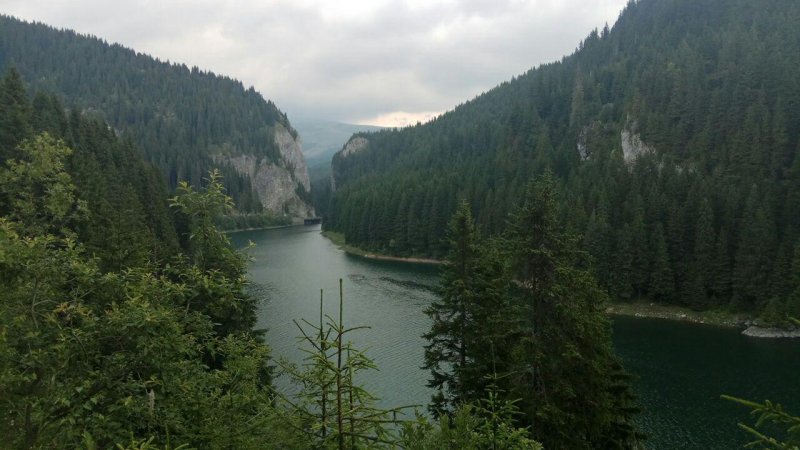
(322, 138)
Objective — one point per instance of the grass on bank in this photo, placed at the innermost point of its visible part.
(339, 240)
(654, 310)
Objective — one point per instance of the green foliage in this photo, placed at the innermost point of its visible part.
(333, 410)
(488, 423)
(203, 240)
(62, 165)
(235, 222)
(115, 354)
(770, 413)
(700, 218)
(93, 354)
(15, 115)
(38, 191)
(212, 271)
(543, 331)
(466, 320)
(573, 390)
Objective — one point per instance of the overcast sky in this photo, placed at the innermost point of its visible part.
(385, 62)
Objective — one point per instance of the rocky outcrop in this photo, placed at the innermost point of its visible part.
(582, 143)
(773, 333)
(354, 145)
(276, 182)
(633, 146)
(292, 154)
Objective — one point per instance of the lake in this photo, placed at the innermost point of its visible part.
(681, 368)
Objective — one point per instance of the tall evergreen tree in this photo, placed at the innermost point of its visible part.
(15, 114)
(564, 370)
(465, 326)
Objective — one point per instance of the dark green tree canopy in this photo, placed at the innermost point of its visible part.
(673, 138)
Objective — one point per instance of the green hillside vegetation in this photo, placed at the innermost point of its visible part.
(179, 117)
(707, 93)
(125, 320)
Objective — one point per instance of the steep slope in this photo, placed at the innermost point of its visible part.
(186, 121)
(674, 134)
(123, 218)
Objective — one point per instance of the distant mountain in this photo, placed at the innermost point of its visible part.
(675, 136)
(185, 120)
(322, 138)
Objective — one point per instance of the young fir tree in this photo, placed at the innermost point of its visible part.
(332, 410)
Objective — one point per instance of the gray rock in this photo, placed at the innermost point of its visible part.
(761, 332)
(276, 182)
(354, 145)
(633, 146)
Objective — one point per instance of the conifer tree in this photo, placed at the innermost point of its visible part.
(662, 285)
(15, 114)
(465, 319)
(564, 369)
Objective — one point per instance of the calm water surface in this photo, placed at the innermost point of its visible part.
(681, 368)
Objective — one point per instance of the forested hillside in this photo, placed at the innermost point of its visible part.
(673, 136)
(125, 321)
(128, 223)
(185, 120)
(107, 296)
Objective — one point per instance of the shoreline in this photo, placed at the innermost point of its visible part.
(270, 227)
(744, 323)
(652, 310)
(639, 309)
(338, 240)
(376, 257)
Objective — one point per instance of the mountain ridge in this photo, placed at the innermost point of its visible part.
(184, 119)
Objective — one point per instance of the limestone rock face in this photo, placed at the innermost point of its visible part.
(276, 183)
(292, 154)
(354, 145)
(633, 146)
(582, 143)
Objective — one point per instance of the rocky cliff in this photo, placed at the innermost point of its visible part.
(633, 146)
(354, 145)
(279, 185)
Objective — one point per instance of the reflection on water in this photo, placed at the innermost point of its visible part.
(682, 368)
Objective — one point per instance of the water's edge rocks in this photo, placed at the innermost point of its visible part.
(770, 333)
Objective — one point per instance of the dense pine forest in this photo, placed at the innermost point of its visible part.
(179, 117)
(674, 136)
(659, 162)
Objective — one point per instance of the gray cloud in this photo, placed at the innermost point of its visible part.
(345, 60)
